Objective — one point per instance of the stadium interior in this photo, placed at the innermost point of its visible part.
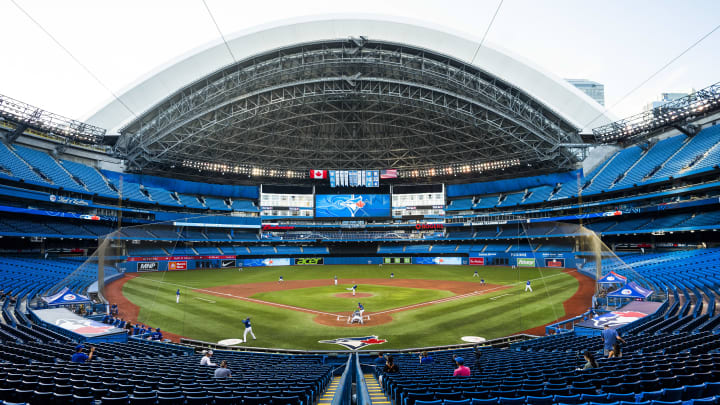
(357, 151)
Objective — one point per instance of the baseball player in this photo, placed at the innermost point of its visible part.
(336, 279)
(356, 316)
(248, 329)
(353, 288)
(280, 280)
(361, 308)
(392, 275)
(527, 286)
(476, 274)
(482, 281)
(177, 296)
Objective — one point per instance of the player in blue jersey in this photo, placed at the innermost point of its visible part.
(353, 289)
(527, 286)
(177, 296)
(248, 329)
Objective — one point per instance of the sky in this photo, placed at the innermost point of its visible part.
(617, 43)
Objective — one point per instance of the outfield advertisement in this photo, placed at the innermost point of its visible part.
(477, 261)
(525, 262)
(352, 205)
(301, 261)
(553, 262)
(397, 260)
(226, 263)
(266, 262)
(182, 265)
(438, 260)
(147, 266)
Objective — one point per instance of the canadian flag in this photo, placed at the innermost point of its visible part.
(318, 174)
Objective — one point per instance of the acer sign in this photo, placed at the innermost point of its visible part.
(177, 265)
(477, 261)
(301, 261)
(429, 226)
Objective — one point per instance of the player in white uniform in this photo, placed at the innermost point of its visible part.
(336, 279)
(177, 296)
(527, 286)
(353, 288)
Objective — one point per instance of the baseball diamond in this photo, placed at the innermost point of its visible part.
(428, 303)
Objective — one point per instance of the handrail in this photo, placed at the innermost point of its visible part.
(361, 389)
(343, 394)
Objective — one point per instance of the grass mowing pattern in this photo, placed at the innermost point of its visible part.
(438, 324)
(323, 298)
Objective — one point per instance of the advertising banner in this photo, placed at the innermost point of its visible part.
(300, 261)
(226, 263)
(477, 261)
(554, 262)
(438, 260)
(165, 258)
(177, 265)
(147, 266)
(352, 205)
(524, 262)
(397, 260)
(266, 262)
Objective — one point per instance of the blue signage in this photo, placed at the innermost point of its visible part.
(352, 205)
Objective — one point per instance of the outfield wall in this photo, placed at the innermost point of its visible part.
(520, 259)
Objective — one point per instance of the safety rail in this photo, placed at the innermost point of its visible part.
(562, 326)
(361, 389)
(343, 394)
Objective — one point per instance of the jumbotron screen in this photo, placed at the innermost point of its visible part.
(352, 205)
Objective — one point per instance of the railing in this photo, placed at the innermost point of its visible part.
(361, 389)
(568, 325)
(343, 395)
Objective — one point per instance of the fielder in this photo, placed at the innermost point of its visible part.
(280, 280)
(177, 296)
(476, 274)
(248, 329)
(336, 279)
(392, 275)
(527, 286)
(353, 288)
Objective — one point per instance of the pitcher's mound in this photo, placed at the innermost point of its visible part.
(350, 295)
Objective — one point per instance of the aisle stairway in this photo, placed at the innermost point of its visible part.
(375, 391)
(328, 395)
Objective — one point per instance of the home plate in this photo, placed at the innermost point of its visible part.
(230, 342)
(473, 339)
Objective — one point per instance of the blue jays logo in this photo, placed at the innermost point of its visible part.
(354, 343)
(354, 204)
(617, 318)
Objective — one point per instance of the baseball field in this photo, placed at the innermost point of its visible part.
(423, 305)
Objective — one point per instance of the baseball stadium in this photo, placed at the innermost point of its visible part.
(356, 210)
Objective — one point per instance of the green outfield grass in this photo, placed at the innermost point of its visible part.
(324, 299)
(212, 318)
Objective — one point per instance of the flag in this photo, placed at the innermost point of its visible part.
(388, 174)
(318, 174)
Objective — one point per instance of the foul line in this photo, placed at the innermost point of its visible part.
(204, 299)
(248, 299)
(312, 311)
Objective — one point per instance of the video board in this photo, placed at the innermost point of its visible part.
(352, 205)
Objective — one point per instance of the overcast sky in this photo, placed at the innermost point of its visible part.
(617, 43)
